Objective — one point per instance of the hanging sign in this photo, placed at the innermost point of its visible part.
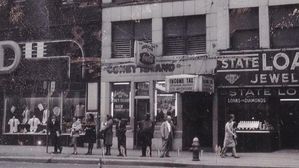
(144, 54)
(189, 83)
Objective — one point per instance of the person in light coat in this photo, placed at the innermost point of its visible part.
(75, 133)
(108, 134)
(167, 135)
(230, 137)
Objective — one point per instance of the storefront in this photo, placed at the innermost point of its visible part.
(41, 87)
(261, 88)
(131, 91)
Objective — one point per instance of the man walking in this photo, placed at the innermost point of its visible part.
(146, 134)
(166, 133)
(55, 133)
(121, 136)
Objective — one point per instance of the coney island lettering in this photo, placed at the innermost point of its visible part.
(262, 68)
(126, 69)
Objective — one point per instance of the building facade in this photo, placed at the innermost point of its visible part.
(59, 69)
(238, 43)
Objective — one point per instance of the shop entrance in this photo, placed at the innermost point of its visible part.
(197, 119)
(142, 106)
(289, 123)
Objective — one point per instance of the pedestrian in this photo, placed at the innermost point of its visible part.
(121, 136)
(146, 132)
(75, 133)
(108, 134)
(90, 133)
(167, 135)
(55, 134)
(230, 137)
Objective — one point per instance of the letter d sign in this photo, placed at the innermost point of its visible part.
(15, 47)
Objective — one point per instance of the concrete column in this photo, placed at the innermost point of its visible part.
(152, 98)
(223, 25)
(105, 100)
(264, 26)
(215, 118)
(132, 104)
(157, 34)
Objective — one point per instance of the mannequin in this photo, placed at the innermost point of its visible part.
(25, 114)
(33, 122)
(13, 123)
(79, 111)
(46, 115)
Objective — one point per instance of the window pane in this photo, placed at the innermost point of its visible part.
(120, 100)
(245, 39)
(196, 25)
(174, 27)
(143, 30)
(284, 26)
(244, 28)
(122, 44)
(285, 38)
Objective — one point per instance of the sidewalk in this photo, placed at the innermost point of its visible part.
(279, 159)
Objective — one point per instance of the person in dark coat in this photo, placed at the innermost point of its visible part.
(55, 133)
(121, 136)
(146, 134)
(90, 133)
(108, 134)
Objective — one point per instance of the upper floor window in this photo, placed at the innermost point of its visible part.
(284, 26)
(244, 28)
(184, 35)
(125, 33)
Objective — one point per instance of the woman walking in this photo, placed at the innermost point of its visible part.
(90, 133)
(230, 137)
(108, 134)
(75, 133)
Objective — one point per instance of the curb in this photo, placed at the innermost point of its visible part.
(114, 161)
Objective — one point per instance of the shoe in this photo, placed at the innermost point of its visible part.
(161, 156)
(142, 156)
(236, 156)
(88, 153)
(167, 156)
(55, 152)
(120, 155)
(60, 149)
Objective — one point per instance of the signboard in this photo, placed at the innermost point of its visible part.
(257, 95)
(144, 54)
(258, 68)
(120, 100)
(16, 60)
(189, 83)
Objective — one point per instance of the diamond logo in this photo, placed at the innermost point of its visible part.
(232, 78)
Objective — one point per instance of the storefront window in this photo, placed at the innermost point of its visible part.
(30, 112)
(120, 104)
(165, 103)
(142, 89)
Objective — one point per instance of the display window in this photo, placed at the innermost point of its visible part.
(165, 103)
(120, 104)
(29, 114)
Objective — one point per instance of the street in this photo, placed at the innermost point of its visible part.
(5, 164)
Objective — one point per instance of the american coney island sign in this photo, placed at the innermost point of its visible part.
(258, 68)
(7, 69)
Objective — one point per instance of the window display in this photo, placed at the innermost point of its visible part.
(165, 103)
(120, 100)
(29, 115)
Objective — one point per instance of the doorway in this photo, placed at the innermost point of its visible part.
(142, 106)
(197, 119)
(289, 124)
